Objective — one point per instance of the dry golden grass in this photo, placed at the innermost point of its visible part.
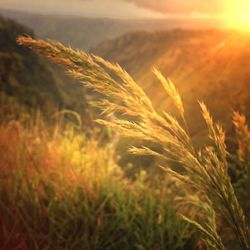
(205, 170)
(62, 190)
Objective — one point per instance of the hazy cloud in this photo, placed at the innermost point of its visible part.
(117, 8)
(100, 8)
(181, 6)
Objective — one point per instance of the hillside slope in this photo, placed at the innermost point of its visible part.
(206, 65)
(32, 81)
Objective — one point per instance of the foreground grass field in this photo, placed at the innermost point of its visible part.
(61, 190)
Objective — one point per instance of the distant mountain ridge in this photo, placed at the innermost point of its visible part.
(209, 65)
(88, 32)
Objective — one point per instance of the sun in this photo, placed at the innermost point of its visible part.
(237, 14)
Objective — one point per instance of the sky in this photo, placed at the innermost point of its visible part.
(119, 8)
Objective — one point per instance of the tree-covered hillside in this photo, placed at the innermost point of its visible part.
(32, 81)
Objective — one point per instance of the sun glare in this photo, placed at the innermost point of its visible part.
(237, 14)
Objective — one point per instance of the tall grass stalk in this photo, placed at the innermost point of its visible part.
(205, 170)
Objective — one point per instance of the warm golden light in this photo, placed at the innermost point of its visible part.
(237, 14)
